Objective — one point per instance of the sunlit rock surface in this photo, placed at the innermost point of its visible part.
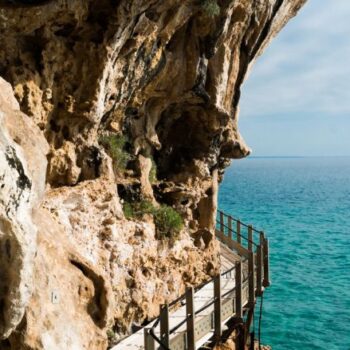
(162, 79)
(22, 182)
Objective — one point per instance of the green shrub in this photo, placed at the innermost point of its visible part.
(138, 209)
(128, 210)
(115, 145)
(153, 172)
(168, 222)
(141, 208)
(110, 334)
(210, 8)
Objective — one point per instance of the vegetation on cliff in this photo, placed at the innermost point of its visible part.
(210, 7)
(167, 220)
(115, 146)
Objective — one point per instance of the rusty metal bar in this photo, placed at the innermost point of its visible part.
(148, 340)
(259, 270)
(238, 229)
(239, 279)
(266, 282)
(217, 308)
(222, 225)
(190, 319)
(229, 224)
(251, 279)
(164, 324)
(250, 238)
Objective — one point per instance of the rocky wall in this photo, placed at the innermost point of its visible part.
(104, 104)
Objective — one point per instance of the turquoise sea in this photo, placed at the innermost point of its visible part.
(303, 205)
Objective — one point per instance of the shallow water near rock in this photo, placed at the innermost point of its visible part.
(303, 204)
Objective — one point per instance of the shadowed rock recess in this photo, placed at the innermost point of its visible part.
(118, 118)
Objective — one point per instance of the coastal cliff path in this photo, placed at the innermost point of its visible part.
(203, 312)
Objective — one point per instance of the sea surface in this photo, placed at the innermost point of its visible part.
(303, 205)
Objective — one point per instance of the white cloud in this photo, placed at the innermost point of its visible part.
(307, 68)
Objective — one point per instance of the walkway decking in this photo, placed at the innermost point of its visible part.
(201, 314)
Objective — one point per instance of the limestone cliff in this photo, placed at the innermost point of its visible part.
(118, 118)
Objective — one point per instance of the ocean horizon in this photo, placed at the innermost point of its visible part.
(303, 205)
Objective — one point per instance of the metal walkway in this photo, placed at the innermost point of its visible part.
(202, 312)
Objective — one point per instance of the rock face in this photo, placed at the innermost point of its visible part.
(109, 105)
(22, 176)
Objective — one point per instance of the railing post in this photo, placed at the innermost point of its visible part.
(238, 306)
(229, 224)
(190, 318)
(262, 238)
(266, 281)
(222, 227)
(259, 270)
(250, 238)
(164, 324)
(260, 264)
(251, 279)
(148, 340)
(217, 308)
(238, 229)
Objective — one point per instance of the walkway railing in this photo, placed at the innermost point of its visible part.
(246, 241)
(224, 297)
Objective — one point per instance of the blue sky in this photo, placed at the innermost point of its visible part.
(296, 100)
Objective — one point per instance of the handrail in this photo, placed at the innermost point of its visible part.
(203, 285)
(200, 286)
(183, 296)
(228, 271)
(247, 255)
(177, 300)
(164, 347)
(233, 231)
(204, 307)
(175, 328)
(225, 222)
(246, 225)
(235, 220)
(234, 288)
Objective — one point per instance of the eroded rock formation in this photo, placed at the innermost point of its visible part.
(106, 103)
